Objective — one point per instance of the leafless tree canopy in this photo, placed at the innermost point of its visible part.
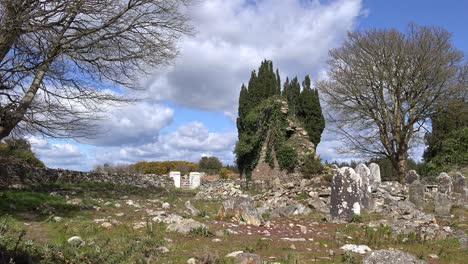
(59, 57)
(384, 85)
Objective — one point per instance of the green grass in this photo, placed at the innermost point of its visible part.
(40, 236)
(41, 204)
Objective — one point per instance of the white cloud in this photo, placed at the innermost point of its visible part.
(235, 35)
(189, 142)
(131, 124)
(58, 155)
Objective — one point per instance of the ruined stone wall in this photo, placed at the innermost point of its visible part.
(21, 175)
(299, 139)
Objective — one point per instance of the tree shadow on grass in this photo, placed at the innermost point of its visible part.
(33, 205)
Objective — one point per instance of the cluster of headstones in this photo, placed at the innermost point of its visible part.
(351, 190)
(447, 188)
(194, 179)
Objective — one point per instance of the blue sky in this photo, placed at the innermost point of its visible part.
(191, 106)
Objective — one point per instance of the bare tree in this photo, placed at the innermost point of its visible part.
(60, 60)
(384, 85)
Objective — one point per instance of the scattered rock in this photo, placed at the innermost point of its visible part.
(240, 209)
(391, 256)
(297, 209)
(360, 249)
(75, 201)
(162, 250)
(192, 210)
(234, 254)
(184, 226)
(57, 219)
(192, 261)
(247, 258)
(76, 241)
(106, 225)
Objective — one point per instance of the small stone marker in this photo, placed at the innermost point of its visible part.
(195, 180)
(459, 183)
(175, 175)
(445, 183)
(346, 194)
(411, 176)
(416, 194)
(374, 177)
(442, 204)
(364, 172)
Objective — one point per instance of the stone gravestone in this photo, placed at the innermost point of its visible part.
(444, 183)
(411, 176)
(374, 177)
(442, 204)
(416, 194)
(175, 175)
(195, 180)
(346, 194)
(459, 183)
(364, 172)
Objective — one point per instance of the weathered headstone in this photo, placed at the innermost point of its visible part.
(442, 204)
(175, 175)
(416, 194)
(346, 194)
(445, 183)
(195, 180)
(364, 172)
(374, 177)
(411, 176)
(459, 183)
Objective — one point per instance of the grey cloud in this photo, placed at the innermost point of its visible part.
(131, 125)
(189, 142)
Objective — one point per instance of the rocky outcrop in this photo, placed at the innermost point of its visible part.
(240, 209)
(184, 226)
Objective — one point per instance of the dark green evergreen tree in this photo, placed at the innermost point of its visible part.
(244, 108)
(309, 112)
(293, 96)
(286, 89)
(278, 83)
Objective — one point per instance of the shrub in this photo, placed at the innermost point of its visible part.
(287, 157)
(224, 173)
(209, 165)
(311, 167)
(201, 231)
(18, 151)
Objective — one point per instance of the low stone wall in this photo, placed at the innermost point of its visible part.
(11, 175)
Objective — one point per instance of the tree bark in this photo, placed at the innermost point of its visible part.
(402, 168)
(10, 122)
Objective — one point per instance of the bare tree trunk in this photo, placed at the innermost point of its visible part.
(6, 126)
(402, 168)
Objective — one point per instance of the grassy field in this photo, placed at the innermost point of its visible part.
(116, 226)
